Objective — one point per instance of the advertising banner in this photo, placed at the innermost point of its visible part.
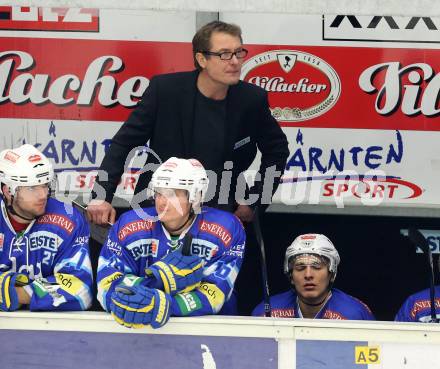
(67, 85)
(356, 96)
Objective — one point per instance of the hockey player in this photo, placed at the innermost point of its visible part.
(311, 264)
(417, 307)
(144, 274)
(44, 252)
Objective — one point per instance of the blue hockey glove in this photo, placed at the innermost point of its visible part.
(177, 273)
(8, 294)
(131, 280)
(139, 306)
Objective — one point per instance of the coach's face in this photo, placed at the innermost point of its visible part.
(218, 71)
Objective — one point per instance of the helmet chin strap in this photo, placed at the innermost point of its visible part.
(11, 210)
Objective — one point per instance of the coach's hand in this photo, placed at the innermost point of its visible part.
(139, 306)
(176, 272)
(101, 212)
(8, 294)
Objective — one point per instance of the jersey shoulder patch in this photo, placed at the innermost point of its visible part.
(58, 220)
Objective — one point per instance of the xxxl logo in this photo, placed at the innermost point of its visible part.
(302, 86)
(381, 28)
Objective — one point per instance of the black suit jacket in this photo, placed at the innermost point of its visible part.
(165, 116)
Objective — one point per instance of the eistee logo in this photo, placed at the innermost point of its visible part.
(301, 86)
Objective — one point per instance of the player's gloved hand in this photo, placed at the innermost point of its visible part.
(131, 280)
(138, 306)
(8, 294)
(177, 272)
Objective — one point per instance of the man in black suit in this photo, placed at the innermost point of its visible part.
(210, 115)
(207, 114)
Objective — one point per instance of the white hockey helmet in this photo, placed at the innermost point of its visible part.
(182, 174)
(315, 244)
(24, 166)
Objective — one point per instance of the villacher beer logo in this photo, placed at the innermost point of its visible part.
(301, 86)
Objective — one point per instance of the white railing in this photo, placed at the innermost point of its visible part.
(213, 342)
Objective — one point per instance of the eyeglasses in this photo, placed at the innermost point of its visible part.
(227, 55)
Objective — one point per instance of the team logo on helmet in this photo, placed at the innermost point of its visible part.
(12, 156)
(169, 164)
(34, 158)
(195, 163)
(308, 237)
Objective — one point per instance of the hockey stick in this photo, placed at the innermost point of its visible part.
(187, 241)
(419, 240)
(97, 232)
(260, 242)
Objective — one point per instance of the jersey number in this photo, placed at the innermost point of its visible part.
(48, 257)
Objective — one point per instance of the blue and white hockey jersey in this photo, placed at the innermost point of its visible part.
(53, 251)
(417, 307)
(340, 306)
(134, 244)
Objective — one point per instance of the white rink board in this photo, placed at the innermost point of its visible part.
(213, 342)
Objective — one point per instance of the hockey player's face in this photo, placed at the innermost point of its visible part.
(218, 71)
(311, 277)
(30, 201)
(172, 205)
